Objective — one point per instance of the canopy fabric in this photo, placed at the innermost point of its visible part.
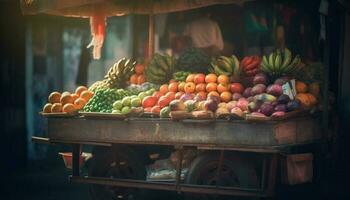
(86, 8)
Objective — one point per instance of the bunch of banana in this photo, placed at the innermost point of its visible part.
(160, 69)
(120, 72)
(225, 66)
(278, 63)
(180, 75)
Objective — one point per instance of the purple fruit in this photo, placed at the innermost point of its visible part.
(236, 96)
(250, 99)
(210, 105)
(266, 109)
(258, 89)
(214, 98)
(281, 81)
(278, 114)
(275, 90)
(247, 92)
(198, 98)
(242, 104)
(260, 79)
(186, 97)
(281, 107)
(283, 99)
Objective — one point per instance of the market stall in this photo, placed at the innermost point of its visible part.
(243, 120)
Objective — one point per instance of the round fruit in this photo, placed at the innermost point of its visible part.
(163, 101)
(142, 95)
(170, 95)
(210, 78)
(203, 94)
(157, 94)
(56, 108)
(200, 87)
(156, 109)
(190, 78)
(80, 89)
(147, 110)
(190, 87)
(116, 112)
(126, 101)
(300, 87)
(222, 87)
(65, 93)
(141, 79)
(118, 105)
(149, 101)
(223, 79)
(237, 88)
(133, 79)
(54, 97)
(79, 103)
(68, 108)
(163, 89)
(66, 99)
(211, 87)
(199, 78)
(139, 69)
(225, 96)
(178, 95)
(213, 93)
(125, 110)
(47, 108)
(173, 87)
(74, 96)
(136, 102)
(172, 81)
(181, 87)
(86, 95)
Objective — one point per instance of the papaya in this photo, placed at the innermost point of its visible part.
(312, 99)
(301, 87)
(304, 99)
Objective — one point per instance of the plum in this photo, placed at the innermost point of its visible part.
(236, 96)
(211, 105)
(266, 109)
(283, 99)
(258, 89)
(281, 107)
(260, 78)
(247, 92)
(274, 89)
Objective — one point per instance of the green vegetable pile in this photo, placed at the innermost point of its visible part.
(103, 100)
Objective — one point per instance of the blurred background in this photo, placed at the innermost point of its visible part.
(40, 54)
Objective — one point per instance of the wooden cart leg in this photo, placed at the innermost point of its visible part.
(179, 168)
(76, 158)
(272, 175)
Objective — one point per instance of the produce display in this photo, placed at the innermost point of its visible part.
(175, 91)
(194, 60)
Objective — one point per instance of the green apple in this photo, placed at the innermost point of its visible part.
(149, 92)
(142, 95)
(136, 102)
(126, 101)
(116, 111)
(118, 105)
(125, 110)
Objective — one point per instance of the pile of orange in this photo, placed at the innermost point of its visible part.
(139, 76)
(68, 102)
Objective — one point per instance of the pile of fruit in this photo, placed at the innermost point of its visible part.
(139, 77)
(68, 102)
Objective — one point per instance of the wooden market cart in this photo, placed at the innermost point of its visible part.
(248, 153)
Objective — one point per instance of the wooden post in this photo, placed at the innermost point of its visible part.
(150, 36)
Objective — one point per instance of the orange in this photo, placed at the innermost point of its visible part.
(66, 99)
(139, 69)
(68, 108)
(173, 87)
(301, 87)
(199, 78)
(86, 95)
(213, 93)
(79, 103)
(47, 108)
(80, 89)
(225, 96)
(211, 87)
(200, 87)
(172, 81)
(179, 94)
(223, 87)
(141, 79)
(190, 78)
(170, 95)
(223, 79)
(163, 89)
(133, 79)
(56, 108)
(202, 94)
(74, 96)
(190, 87)
(210, 78)
(181, 87)
(54, 97)
(65, 93)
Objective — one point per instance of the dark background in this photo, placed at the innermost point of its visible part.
(46, 178)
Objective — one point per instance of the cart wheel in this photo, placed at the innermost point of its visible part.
(235, 172)
(116, 162)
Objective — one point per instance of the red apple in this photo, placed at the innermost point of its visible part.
(199, 78)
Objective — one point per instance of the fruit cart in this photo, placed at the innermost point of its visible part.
(233, 156)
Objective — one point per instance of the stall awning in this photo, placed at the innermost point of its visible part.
(86, 8)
